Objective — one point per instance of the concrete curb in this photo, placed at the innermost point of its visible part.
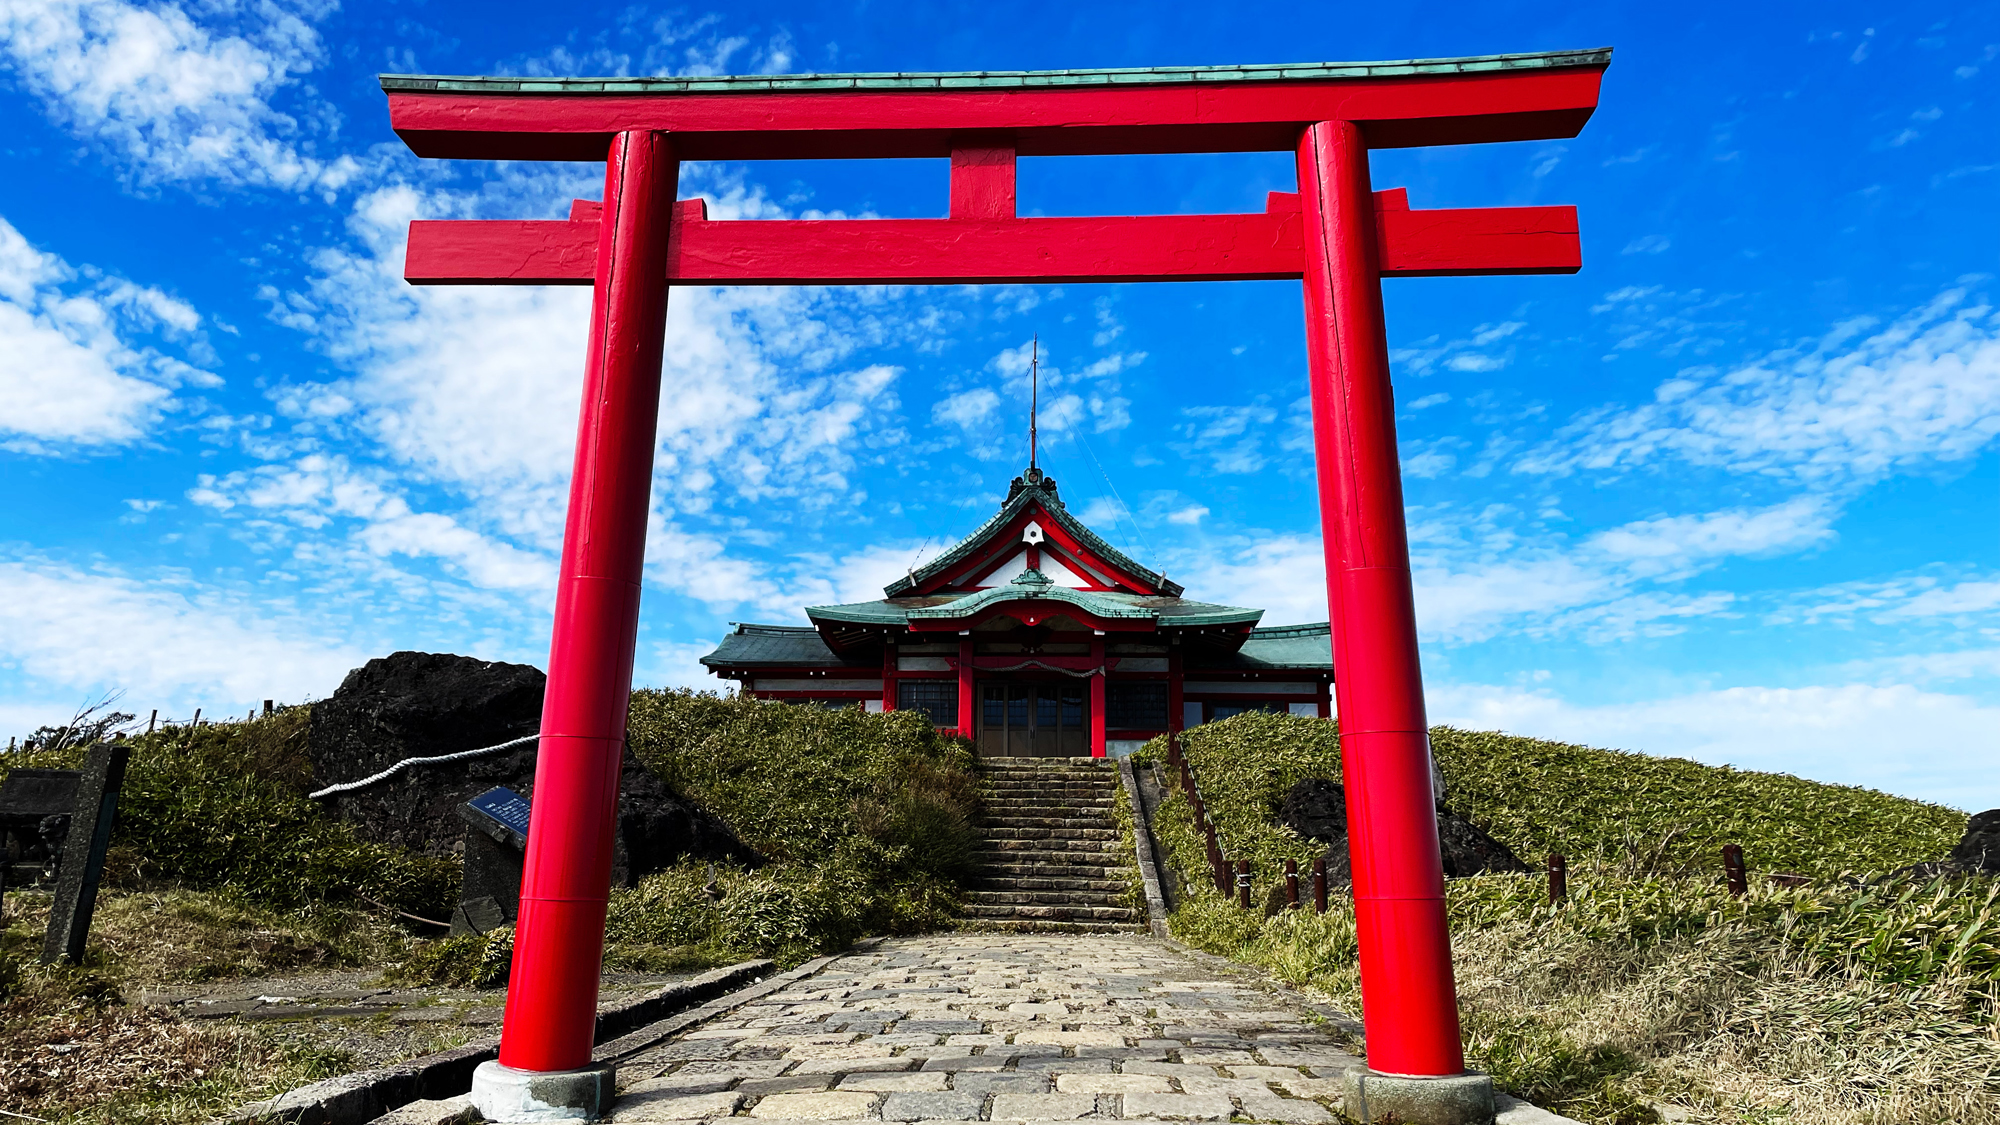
(350, 1099)
(1142, 845)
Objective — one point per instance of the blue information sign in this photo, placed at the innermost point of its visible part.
(506, 809)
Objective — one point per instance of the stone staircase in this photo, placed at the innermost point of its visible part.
(1053, 857)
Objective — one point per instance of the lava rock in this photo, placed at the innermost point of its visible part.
(1316, 808)
(1468, 850)
(1979, 850)
(422, 704)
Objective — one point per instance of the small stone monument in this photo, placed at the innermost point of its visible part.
(496, 842)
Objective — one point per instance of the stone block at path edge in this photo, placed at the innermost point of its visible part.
(947, 1105)
(673, 1105)
(1046, 1107)
(831, 1105)
(1187, 1107)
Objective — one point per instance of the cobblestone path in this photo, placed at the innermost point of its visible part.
(1001, 1027)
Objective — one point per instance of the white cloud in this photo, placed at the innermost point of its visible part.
(162, 640)
(456, 431)
(70, 374)
(1230, 438)
(1897, 738)
(967, 409)
(1678, 545)
(1427, 356)
(1920, 391)
(1903, 599)
(173, 95)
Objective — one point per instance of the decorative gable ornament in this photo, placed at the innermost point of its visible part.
(1032, 534)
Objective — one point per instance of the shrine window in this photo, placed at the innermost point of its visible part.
(935, 698)
(1139, 705)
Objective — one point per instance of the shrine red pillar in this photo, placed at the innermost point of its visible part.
(559, 936)
(965, 700)
(1097, 697)
(1409, 1005)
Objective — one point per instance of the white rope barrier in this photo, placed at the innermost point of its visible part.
(372, 779)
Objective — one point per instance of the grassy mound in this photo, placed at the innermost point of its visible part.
(866, 817)
(1840, 1001)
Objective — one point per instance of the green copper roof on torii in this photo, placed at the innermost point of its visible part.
(1001, 79)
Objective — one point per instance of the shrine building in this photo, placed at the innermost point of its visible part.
(1034, 637)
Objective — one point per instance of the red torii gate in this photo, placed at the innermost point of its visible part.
(1336, 234)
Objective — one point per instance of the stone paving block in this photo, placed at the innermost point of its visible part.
(900, 1039)
(1074, 1038)
(1308, 1056)
(720, 1033)
(769, 1068)
(1311, 1087)
(882, 1082)
(1044, 1107)
(681, 1083)
(1171, 1070)
(672, 1105)
(1056, 1064)
(702, 1049)
(1217, 1058)
(1142, 1054)
(957, 1063)
(1285, 1109)
(1227, 1087)
(1016, 1082)
(788, 1084)
(830, 1105)
(843, 1066)
(1112, 1084)
(941, 1027)
(842, 1051)
(1267, 1073)
(1161, 1044)
(945, 1106)
(443, 1111)
(1191, 1107)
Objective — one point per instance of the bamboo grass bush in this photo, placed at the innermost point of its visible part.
(1848, 1000)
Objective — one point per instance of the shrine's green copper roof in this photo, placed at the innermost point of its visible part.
(1033, 585)
(997, 79)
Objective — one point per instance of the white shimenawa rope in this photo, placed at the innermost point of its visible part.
(350, 786)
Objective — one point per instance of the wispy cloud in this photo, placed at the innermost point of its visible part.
(76, 375)
(1864, 401)
(179, 93)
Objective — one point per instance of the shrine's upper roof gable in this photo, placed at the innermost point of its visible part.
(1031, 495)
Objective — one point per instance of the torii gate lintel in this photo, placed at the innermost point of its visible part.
(1336, 234)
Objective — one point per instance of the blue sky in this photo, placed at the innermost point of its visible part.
(1732, 492)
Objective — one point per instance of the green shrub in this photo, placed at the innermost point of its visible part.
(223, 807)
(868, 819)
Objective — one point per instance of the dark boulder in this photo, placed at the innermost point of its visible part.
(1979, 850)
(1468, 850)
(421, 705)
(1316, 809)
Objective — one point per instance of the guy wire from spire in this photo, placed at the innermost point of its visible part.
(1035, 394)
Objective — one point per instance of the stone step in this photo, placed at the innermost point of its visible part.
(1075, 867)
(1053, 913)
(1045, 898)
(994, 846)
(1045, 832)
(1045, 807)
(1040, 927)
(1078, 823)
(1047, 883)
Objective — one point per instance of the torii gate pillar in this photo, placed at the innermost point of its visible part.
(565, 884)
(1411, 1016)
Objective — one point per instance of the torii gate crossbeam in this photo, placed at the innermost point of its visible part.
(1336, 234)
